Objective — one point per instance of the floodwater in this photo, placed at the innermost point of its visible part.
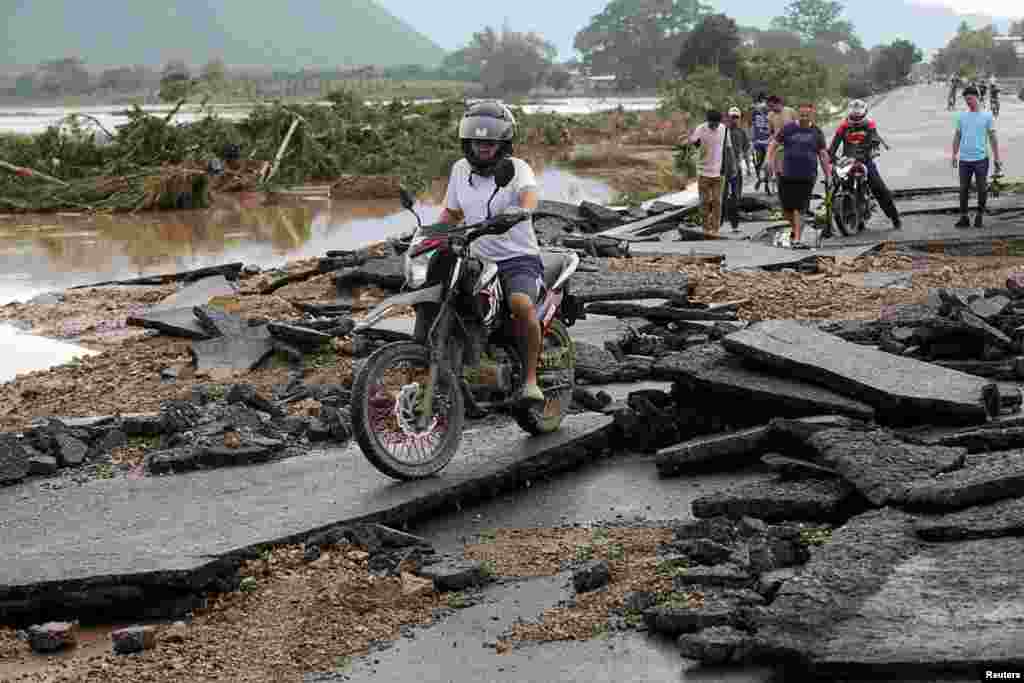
(30, 120)
(41, 253)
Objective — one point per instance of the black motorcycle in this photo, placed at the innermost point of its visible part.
(411, 398)
(852, 201)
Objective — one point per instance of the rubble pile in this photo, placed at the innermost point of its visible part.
(881, 466)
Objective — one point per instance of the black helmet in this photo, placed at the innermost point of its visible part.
(488, 122)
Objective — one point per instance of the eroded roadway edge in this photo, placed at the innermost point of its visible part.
(116, 546)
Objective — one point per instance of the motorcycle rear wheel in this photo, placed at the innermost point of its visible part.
(386, 395)
(558, 349)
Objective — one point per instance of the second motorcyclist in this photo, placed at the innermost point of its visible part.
(859, 136)
(487, 131)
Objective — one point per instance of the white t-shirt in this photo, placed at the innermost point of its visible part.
(472, 201)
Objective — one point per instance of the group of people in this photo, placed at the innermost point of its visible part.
(986, 89)
(787, 145)
(780, 142)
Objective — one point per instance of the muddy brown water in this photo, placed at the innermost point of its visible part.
(43, 253)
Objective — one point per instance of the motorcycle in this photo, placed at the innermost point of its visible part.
(852, 201)
(411, 399)
(995, 107)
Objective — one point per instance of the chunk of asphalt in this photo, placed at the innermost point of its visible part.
(778, 500)
(719, 450)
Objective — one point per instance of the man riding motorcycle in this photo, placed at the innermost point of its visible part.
(859, 136)
(993, 95)
(487, 131)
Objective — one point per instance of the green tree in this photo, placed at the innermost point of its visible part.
(894, 62)
(560, 78)
(703, 88)
(505, 63)
(796, 75)
(637, 40)
(214, 72)
(1004, 60)
(818, 19)
(714, 43)
(175, 81)
(66, 76)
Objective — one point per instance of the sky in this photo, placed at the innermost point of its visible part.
(928, 23)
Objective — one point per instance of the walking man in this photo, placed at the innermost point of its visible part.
(761, 133)
(805, 148)
(737, 147)
(710, 137)
(974, 130)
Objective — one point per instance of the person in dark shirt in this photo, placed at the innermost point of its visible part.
(805, 148)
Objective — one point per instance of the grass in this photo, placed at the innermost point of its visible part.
(634, 617)
(143, 441)
(488, 536)
(248, 584)
(670, 568)
(457, 600)
(323, 358)
(216, 391)
(104, 471)
(343, 663)
(680, 600)
(488, 569)
(599, 631)
(815, 536)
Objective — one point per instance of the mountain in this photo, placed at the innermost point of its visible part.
(285, 35)
(876, 21)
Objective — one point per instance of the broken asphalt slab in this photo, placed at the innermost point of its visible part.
(985, 478)
(883, 468)
(712, 371)
(877, 599)
(175, 315)
(899, 388)
(744, 254)
(131, 535)
(1005, 518)
(778, 500)
(243, 350)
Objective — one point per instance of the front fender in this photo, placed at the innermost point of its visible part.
(426, 295)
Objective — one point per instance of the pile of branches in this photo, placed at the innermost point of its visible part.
(152, 162)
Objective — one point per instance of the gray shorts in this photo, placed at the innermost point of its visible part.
(522, 275)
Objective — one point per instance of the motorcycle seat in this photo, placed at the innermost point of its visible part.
(555, 263)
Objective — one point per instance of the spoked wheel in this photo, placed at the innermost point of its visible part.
(844, 212)
(556, 374)
(387, 413)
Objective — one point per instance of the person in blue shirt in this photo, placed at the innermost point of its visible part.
(974, 130)
(760, 135)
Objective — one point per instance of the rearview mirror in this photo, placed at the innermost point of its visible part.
(408, 201)
(504, 173)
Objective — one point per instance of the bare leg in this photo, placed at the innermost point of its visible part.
(794, 222)
(527, 327)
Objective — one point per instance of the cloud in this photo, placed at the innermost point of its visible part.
(995, 8)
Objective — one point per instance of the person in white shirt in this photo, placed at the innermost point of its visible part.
(710, 136)
(487, 131)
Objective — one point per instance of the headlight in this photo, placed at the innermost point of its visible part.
(416, 270)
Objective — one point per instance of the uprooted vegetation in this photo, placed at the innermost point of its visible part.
(152, 162)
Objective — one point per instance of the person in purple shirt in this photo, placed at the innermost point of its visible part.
(805, 148)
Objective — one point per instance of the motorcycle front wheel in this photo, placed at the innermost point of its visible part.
(844, 212)
(387, 403)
